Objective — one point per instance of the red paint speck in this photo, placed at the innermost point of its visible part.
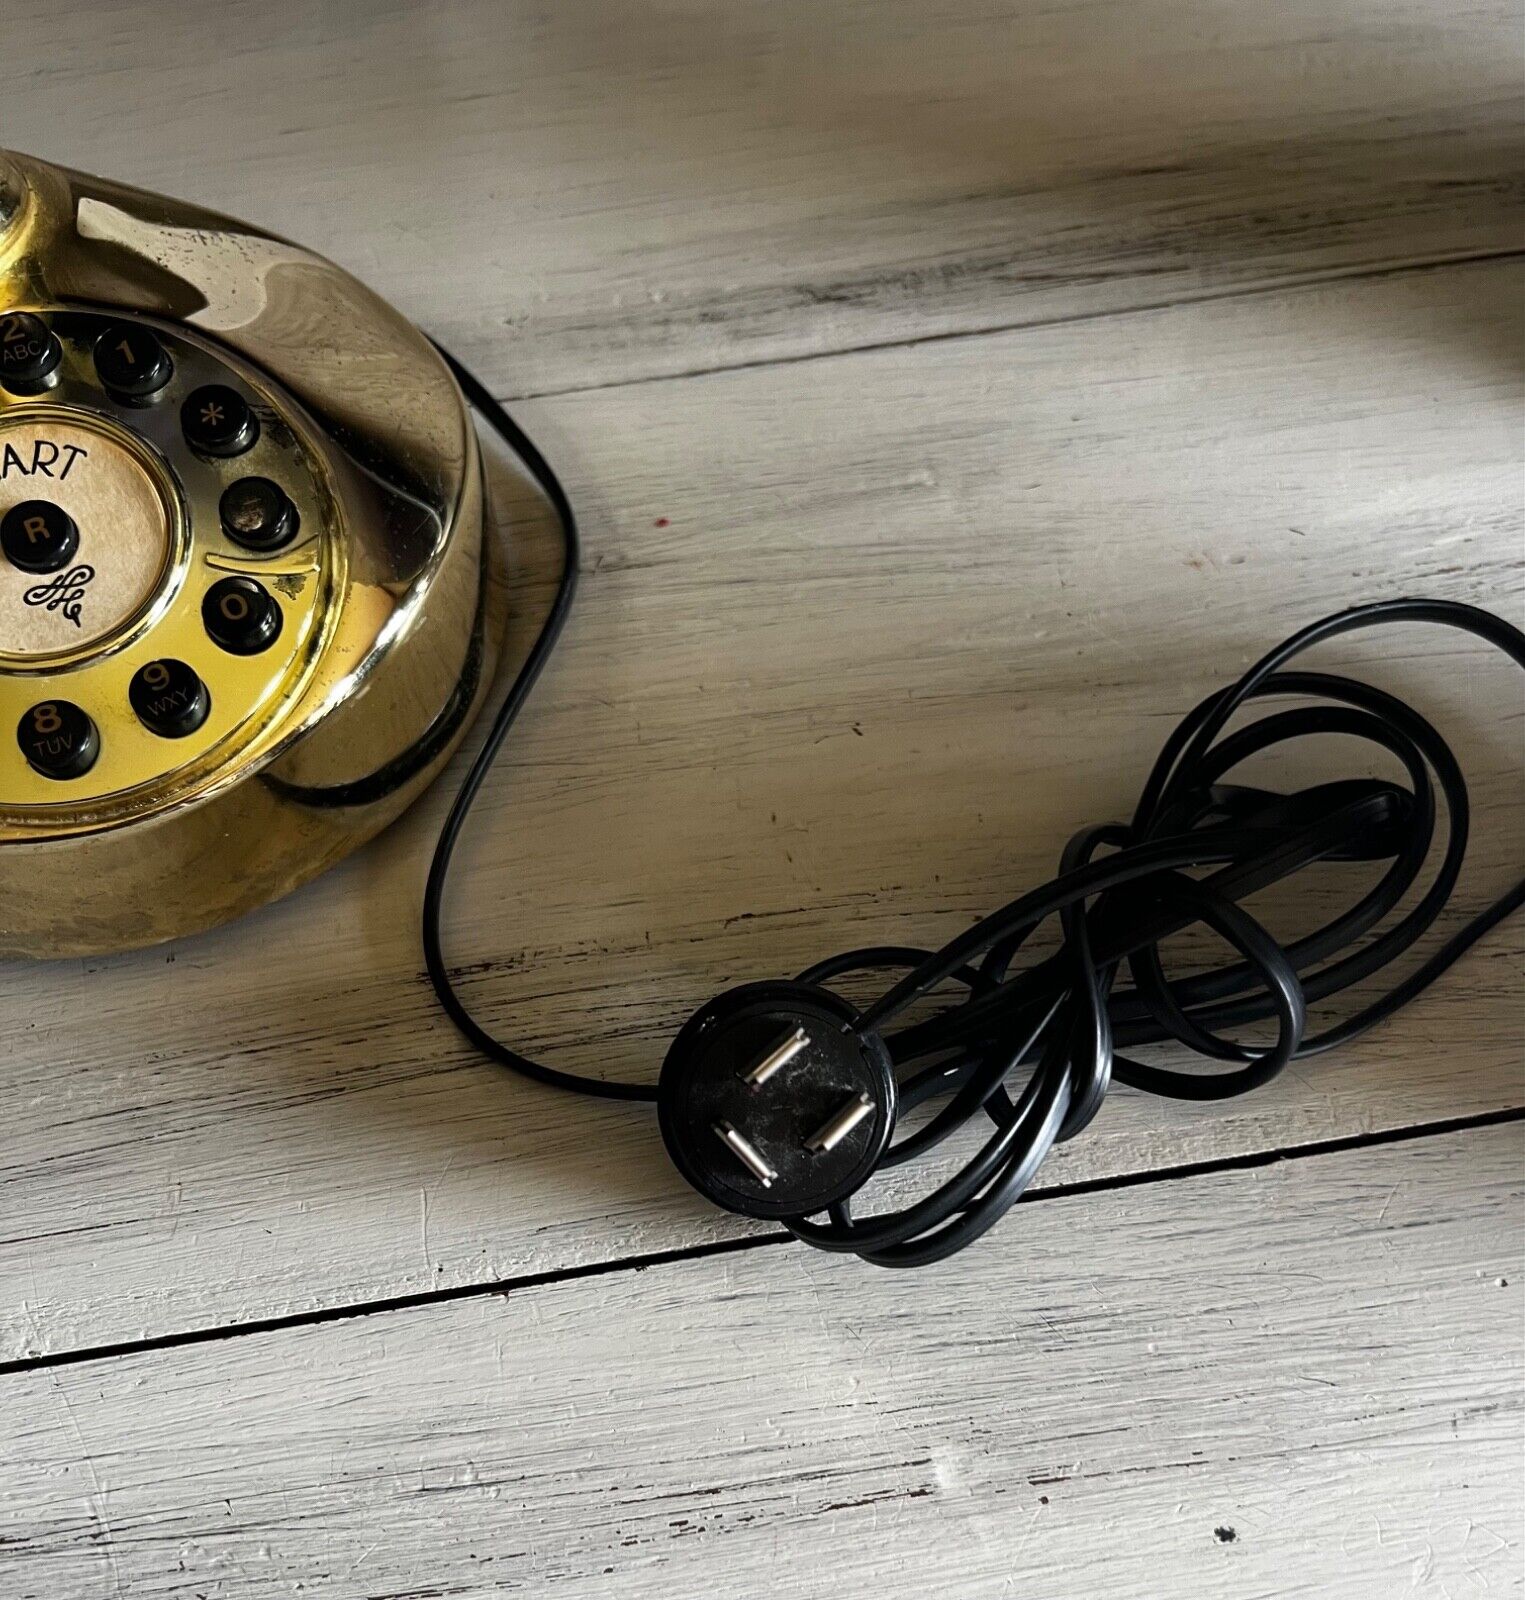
(661, 522)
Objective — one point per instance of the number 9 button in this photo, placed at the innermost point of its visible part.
(169, 698)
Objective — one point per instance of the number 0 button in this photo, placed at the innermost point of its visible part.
(169, 698)
(241, 615)
(58, 739)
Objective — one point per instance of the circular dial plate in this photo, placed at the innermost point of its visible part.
(147, 508)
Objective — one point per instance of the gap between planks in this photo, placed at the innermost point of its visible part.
(154, 1268)
(1246, 1161)
(1290, 284)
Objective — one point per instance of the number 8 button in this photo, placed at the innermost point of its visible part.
(58, 739)
(241, 615)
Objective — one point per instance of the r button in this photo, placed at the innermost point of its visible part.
(38, 536)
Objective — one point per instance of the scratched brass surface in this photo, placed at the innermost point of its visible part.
(390, 617)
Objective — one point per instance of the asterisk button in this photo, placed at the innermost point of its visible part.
(218, 421)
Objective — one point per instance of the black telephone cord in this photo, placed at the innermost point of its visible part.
(1121, 889)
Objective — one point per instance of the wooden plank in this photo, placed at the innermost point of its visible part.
(587, 193)
(913, 618)
(1299, 1381)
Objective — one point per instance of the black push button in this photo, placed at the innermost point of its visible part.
(217, 421)
(169, 698)
(29, 352)
(38, 536)
(58, 739)
(131, 362)
(241, 615)
(258, 514)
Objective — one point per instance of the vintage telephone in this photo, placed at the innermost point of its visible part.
(249, 604)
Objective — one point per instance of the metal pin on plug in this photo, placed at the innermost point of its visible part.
(747, 1154)
(841, 1123)
(780, 1056)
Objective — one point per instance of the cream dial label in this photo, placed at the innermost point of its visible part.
(70, 461)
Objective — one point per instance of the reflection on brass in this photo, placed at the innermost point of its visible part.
(13, 193)
(391, 613)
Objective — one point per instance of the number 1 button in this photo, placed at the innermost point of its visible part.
(131, 362)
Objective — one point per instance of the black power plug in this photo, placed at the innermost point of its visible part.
(773, 1104)
(776, 1100)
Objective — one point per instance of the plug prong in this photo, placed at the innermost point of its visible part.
(840, 1123)
(747, 1154)
(780, 1056)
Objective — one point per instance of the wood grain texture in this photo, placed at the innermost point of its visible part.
(595, 192)
(862, 641)
(1300, 1381)
(953, 393)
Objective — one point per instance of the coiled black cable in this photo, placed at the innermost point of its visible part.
(1065, 1020)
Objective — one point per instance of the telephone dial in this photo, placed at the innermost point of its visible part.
(248, 599)
(249, 604)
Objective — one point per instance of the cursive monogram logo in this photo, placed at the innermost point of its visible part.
(64, 593)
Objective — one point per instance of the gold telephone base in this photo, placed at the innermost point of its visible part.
(248, 599)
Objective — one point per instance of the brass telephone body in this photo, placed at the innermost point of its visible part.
(248, 599)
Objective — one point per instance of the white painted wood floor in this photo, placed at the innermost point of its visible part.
(953, 394)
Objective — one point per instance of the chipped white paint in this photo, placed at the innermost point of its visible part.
(592, 192)
(1300, 1381)
(712, 786)
(1003, 564)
